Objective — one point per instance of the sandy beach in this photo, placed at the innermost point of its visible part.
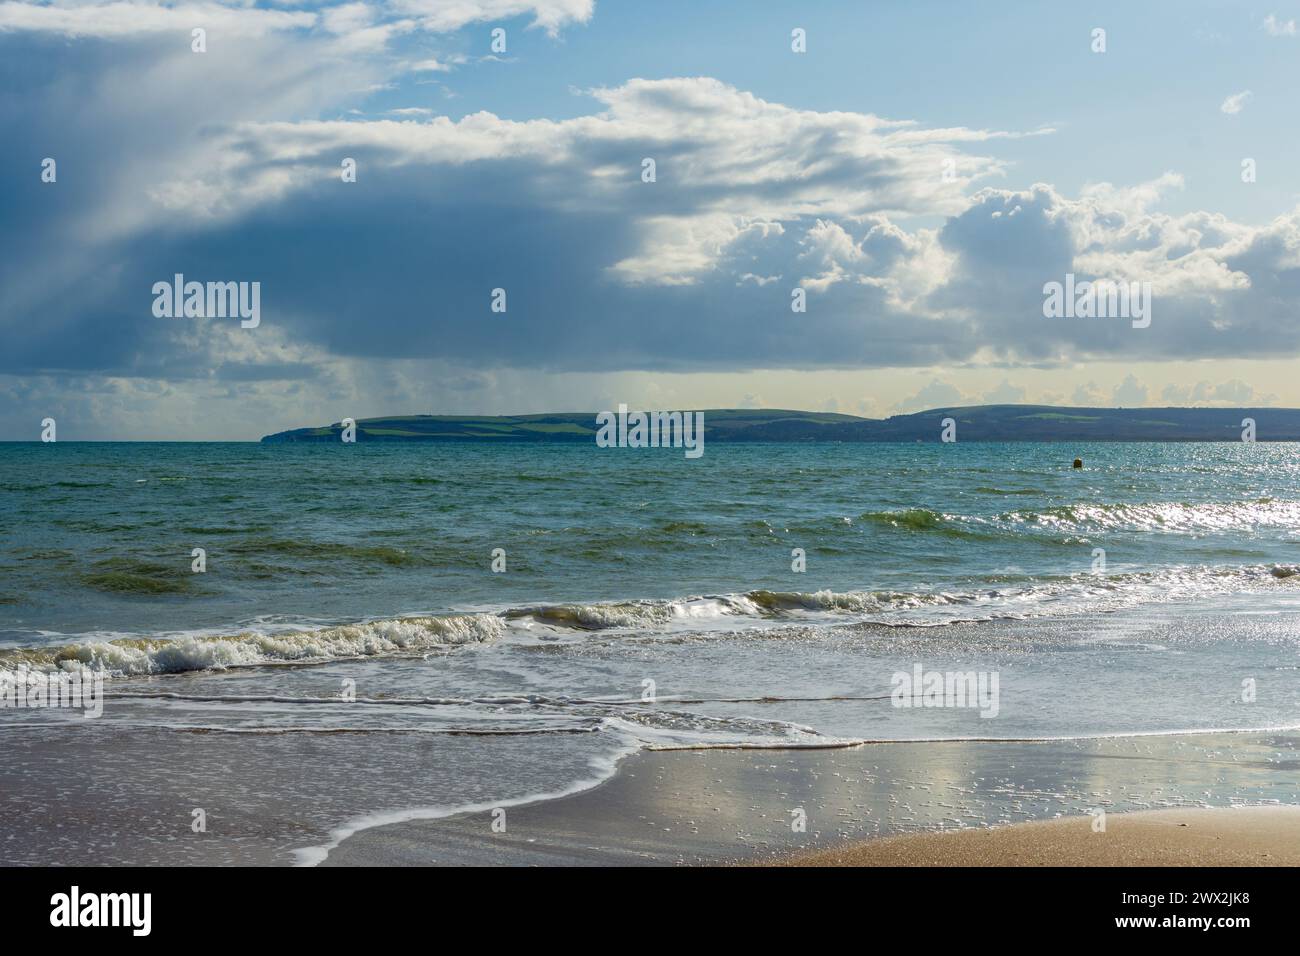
(281, 799)
(1236, 836)
(895, 804)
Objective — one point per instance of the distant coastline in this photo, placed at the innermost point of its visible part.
(998, 423)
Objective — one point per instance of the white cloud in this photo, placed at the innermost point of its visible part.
(436, 65)
(1279, 28)
(758, 197)
(734, 165)
(1129, 393)
(346, 17)
(1236, 102)
(1004, 394)
(752, 197)
(124, 18)
(361, 27)
(1233, 392)
(444, 16)
(1088, 395)
(938, 394)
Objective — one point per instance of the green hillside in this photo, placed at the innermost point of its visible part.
(974, 423)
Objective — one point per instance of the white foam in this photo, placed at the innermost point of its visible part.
(139, 657)
(315, 855)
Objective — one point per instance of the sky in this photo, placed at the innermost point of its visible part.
(917, 172)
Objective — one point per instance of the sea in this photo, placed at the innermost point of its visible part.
(515, 619)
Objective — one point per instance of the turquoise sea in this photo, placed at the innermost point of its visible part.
(647, 599)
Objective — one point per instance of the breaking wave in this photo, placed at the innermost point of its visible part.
(135, 657)
(1011, 597)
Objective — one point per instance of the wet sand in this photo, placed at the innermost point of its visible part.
(104, 795)
(738, 806)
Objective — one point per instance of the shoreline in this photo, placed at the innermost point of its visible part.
(726, 807)
(106, 796)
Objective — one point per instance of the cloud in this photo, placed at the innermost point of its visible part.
(692, 271)
(124, 18)
(435, 65)
(729, 168)
(1233, 392)
(1004, 394)
(1088, 395)
(443, 16)
(938, 394)
(1279, 28)
(358, 23)
(1129, 393)
(1236, 102)
(224, 167)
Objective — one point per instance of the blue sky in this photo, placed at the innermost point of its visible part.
(1148, 105)
(775, 170)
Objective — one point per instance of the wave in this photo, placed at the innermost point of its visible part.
(1002, 597)
(1159, 516)
(922, 519)
(637, 614)
(131, 576)
(603, 770)
(777, 602)
(1162, 516)
(134, 657)
(1014, 597)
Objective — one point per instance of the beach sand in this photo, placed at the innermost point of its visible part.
(104, 795)
(740, 806)
(1237, 836)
